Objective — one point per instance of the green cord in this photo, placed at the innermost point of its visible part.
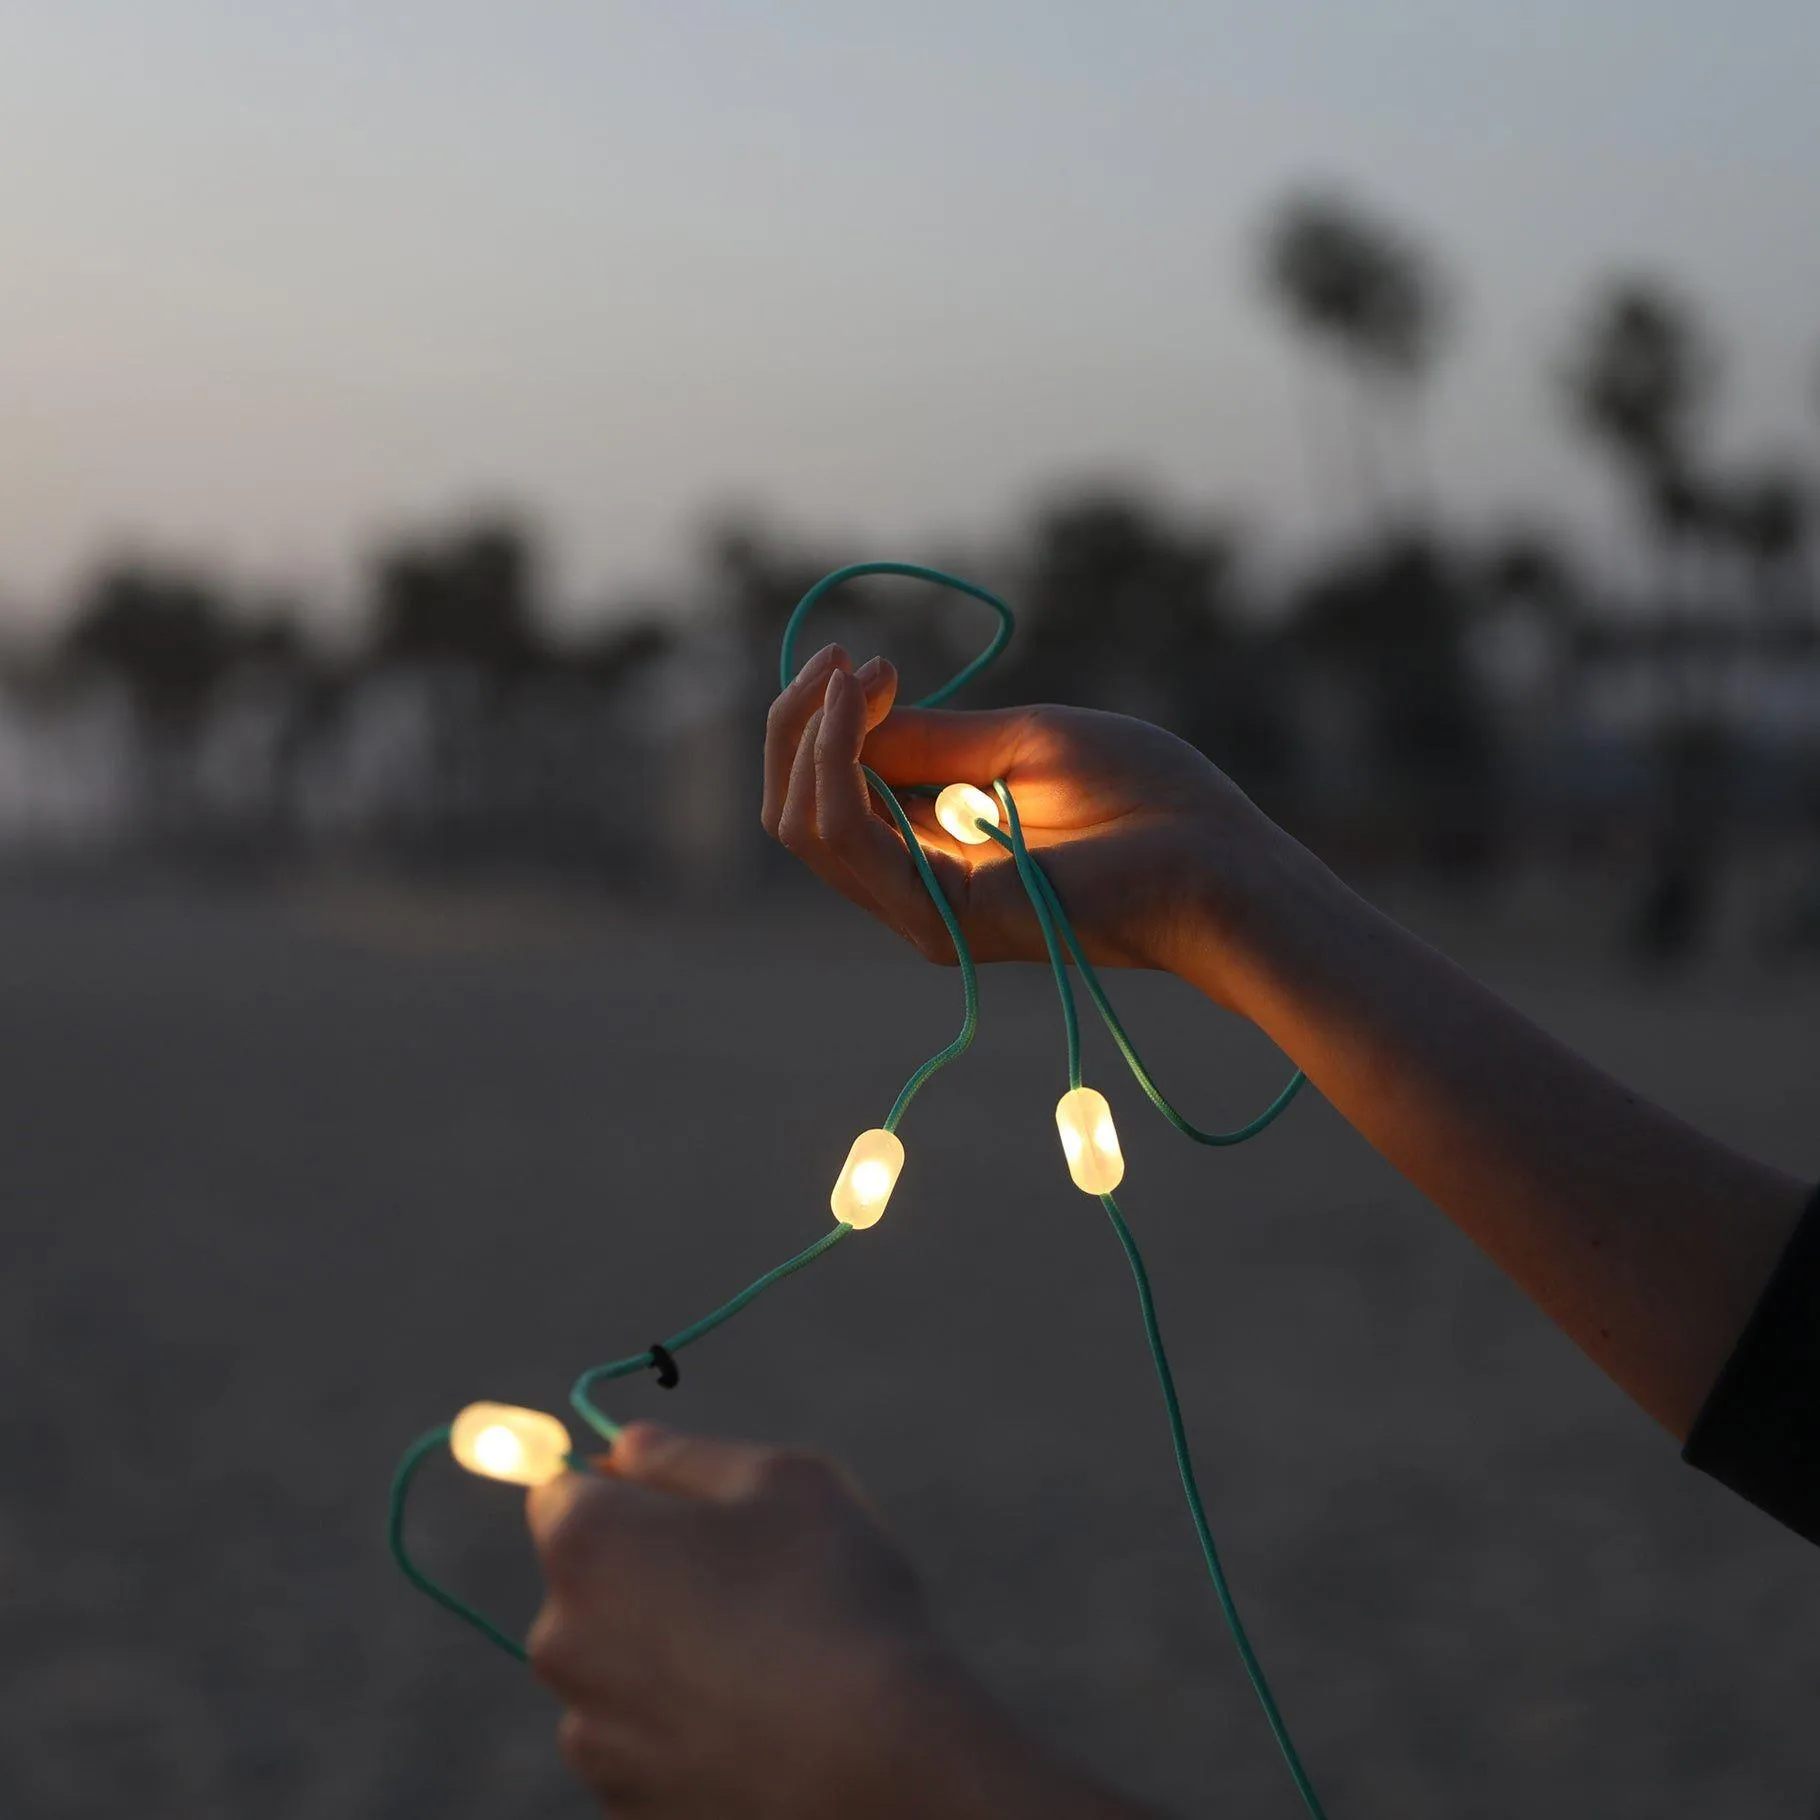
(1020, 855)
(579, 1397)
(602, 1424)
(1030, 867)
(1049, 913)
(970, 990)
(786, 652)
(1057, 932)
(1191, 1491)
(414, 1457)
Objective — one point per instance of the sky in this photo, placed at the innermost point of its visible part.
(281, 280)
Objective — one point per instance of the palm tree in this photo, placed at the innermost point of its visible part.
(1639, 382)
(1371, 299)
(1769, 518)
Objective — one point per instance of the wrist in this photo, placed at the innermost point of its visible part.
(952, 1753)
(1246, 900)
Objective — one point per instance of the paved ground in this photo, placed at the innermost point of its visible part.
(284, 1188)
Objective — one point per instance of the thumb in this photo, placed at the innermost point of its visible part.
(686, 1466)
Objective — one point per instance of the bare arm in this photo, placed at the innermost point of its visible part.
(725, 1625)
(1645, 1240)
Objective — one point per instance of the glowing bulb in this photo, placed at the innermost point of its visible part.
(867, 1178)
(1090, 1140)
(960, 808)
(521, 1446)
(499, 1451)
(872, 1180)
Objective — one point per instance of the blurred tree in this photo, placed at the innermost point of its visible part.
(469, 599)
(1639, 381)
(457, 621)
(174, 642)
(1530, 581)
(1372, 299)
(617, 656)
(1389, 627)
(1769, 516)
(1120, 608)
(167, 637)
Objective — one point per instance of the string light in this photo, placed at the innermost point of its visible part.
(526, 1447)
(1090, 1140)
(961, 808)
(501, 1441)
(867, 1178)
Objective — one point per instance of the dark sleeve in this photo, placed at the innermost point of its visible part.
(1759, 1430)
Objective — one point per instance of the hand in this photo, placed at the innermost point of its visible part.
(733, 1636)
(1147, 842)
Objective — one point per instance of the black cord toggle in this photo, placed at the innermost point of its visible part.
(663, 1362)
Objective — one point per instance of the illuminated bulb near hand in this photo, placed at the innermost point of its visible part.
(1090, 1140)
(498, 1441)
(867, 1178)
(961, 808)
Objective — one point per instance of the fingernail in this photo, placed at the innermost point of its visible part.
(820, 658)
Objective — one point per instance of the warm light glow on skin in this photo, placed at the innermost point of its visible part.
(867, 1178)
(961, 807)
(1090, 1140)
(500, 1441)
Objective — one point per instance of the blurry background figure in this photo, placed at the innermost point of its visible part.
(418, 426)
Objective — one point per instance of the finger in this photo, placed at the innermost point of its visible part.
(785, 722)
(798, 827)
(569, 1498)
(687, 1466)
(614, 1757)
(725, 1472)
(944, 746)
(580, 1520)
(878, 677)
(871, 851)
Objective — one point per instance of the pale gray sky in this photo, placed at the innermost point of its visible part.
(279, 277)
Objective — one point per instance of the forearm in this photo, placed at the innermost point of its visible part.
(1647, 1242)
(953, 1754)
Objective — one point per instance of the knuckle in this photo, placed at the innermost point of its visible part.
(577, 1745)
(548, 1649)
(834, 818)
(794, 832)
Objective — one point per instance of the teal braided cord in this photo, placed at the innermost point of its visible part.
(1184, 1461)
(1047, 907)
(970, 990)
(414, 1456)
(1021, 854)
(786, 670)
(602, 1424)
(786, 667)
(579, 1398)
(1030, 866)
